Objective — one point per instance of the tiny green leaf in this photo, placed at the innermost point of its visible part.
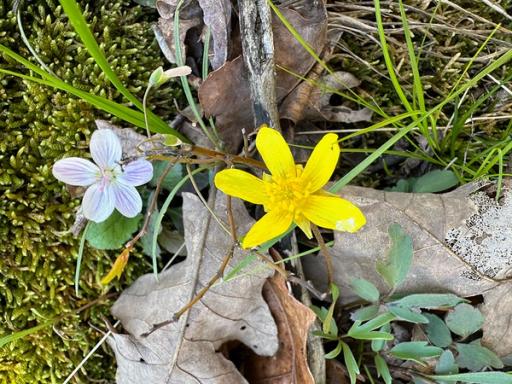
(335, 352)
(415, 351)
(335, 293)
(437, 331)
(475, 357)
(395, 268)
(365, 290)
(429, 300)
(464, 320)
(322, 315)
(403, 185)
(365, 313)
(112, 233)
(476, 378)
(435, 181)
(446, 364)
(383, 369)
(171, 140)
(371, 325)
(173, 177)
(350, 363)
(377, 345)
(406, 314)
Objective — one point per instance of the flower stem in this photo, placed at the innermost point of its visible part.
(325, 253)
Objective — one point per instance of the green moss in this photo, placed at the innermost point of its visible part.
(39, 125)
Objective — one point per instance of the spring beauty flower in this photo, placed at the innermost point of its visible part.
(291, 193)
(109, 185)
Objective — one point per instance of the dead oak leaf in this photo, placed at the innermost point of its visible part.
(290, 364)
(186, 351)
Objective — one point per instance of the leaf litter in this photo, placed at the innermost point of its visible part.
(462, 245)
(186, 351)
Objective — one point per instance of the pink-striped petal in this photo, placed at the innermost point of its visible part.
(76, 171)
(136, 173)
(127, 199)
(98, 202)
(105, 148)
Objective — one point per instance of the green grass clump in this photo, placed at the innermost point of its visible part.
(38, 126)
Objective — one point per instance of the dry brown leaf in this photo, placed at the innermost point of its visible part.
(289, 365)
(186, 351)
(217, 16)
(462, 241)
(190, 17)
(225, 93)
(313, 101)
(336, 372)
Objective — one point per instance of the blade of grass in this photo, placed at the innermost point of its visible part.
(21, 334)
(162, 212)
(77, 20)
(129, 115)
(387, 58)
(79, 258)
(404, 131)
(418, 86)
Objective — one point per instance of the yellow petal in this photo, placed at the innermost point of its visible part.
(322, 162)
(333, 213)
(304, 224)
(235, 182)
(117, 267)
(275, 152)
(268, 227)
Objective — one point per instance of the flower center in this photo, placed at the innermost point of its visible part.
(287, 194)
(108, 175)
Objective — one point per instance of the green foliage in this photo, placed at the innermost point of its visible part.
(40, 125)
(112, 233)
(446, 364)
(416, 351)
(437, 331)
(173, 177)
(464, 320)
(373, 323)
(365, 290)
(395, 268)
(430, 300)
(475, 357)
(431, 182)
(475, 378)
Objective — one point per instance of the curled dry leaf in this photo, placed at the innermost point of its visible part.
(225, 93)
(289, 365)
(462, 244)
(217, 16)
(312, 102)
(186, 351)
(190, 17)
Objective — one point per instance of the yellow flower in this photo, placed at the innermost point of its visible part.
(291, 193)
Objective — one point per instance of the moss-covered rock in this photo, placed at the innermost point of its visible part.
(39, 125)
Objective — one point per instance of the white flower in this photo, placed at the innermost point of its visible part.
(110, 185)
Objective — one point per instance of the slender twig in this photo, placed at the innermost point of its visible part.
(325, 253)
(91, 352)
(211, 156)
